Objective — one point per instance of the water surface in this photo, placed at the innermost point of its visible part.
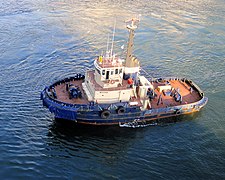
(45, 40)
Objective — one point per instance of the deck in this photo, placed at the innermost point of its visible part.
(63, 94)
(167, 101)
(188, 96)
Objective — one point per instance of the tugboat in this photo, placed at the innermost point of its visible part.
(115, 93)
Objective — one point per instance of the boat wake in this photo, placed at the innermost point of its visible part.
(137, 124)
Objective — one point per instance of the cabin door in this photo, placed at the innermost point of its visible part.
(107, 75)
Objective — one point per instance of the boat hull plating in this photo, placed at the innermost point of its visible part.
(95, 114)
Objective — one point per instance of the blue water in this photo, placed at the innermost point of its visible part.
(44, 40)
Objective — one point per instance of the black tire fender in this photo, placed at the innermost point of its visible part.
(105, 114)
(121, 110)
(177, 112)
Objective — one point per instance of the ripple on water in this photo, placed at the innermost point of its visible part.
(44, 41)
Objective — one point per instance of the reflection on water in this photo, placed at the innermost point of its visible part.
(85, 141)
(105, 146)
(62, 128)
(71, 129)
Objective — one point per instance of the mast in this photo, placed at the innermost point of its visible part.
(131, 27)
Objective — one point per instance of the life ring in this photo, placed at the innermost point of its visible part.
(105, 114)
(121, 110)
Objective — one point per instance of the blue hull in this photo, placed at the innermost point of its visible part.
(92, 113)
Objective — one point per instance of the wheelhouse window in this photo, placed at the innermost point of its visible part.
(103, 72)
(120, 71)
(116, 71)
(112, 72)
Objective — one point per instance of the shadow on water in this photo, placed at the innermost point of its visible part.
(102, 144)
(70, 129)
(67, 128)
(67, 139)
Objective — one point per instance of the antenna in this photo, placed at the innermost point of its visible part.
(114, 29)
(107, 47)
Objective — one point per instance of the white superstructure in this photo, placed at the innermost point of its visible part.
(117, 80)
